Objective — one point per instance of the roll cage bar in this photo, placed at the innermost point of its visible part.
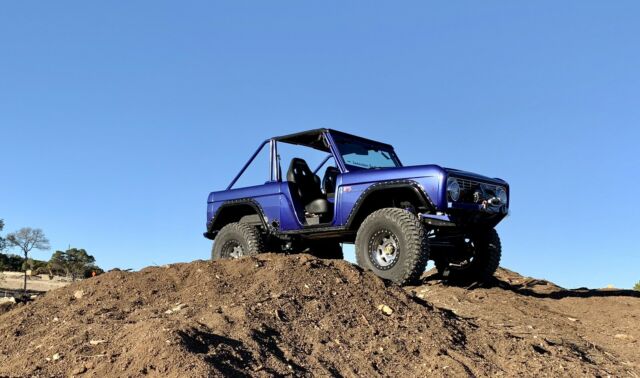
(319, 139)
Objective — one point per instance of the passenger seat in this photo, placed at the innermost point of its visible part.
(306, 188)
(329, 181)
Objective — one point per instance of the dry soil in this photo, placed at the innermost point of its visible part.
(298, 315)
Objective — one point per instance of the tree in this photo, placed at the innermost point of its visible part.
(12, 263)
(73, 262)
(35, 266)
(637, 287)
(58, 264)
(5, 261)
(3, 242)
(79, 262)
(27, 239)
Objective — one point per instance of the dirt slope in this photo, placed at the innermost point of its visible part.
(597, 326)
(302, 316)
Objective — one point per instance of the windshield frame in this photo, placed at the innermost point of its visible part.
(338, 138)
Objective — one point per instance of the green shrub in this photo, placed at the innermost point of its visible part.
(12, 263)
(637, 287)
(75, 263)
(34, 265)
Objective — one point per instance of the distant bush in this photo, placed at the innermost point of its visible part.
(11, 263)
(3, 241)
(637, 287)
(90, 270)
(42, 270)
(74, 263)
(35, 266)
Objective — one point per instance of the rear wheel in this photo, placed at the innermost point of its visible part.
(236, 240)
(392, 243)
(325, 249)
(476, 258)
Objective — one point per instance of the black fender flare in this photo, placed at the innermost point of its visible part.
(213, 226)
(418, 189)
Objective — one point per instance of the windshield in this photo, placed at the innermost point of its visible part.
(360, 155)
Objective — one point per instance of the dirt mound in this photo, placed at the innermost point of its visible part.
(600, 327)
(298, 315)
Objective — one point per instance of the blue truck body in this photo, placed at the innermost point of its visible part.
(426, 185)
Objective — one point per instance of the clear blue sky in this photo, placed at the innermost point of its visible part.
(118, 118)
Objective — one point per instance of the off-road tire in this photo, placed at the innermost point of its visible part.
(325, 249)
(485, 263)
(246, 235)
(412, 242)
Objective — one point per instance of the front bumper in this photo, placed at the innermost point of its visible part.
(437, 220)
(467, 215)
(485, 207)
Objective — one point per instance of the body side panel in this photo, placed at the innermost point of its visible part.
(266, 196)
(290, 215)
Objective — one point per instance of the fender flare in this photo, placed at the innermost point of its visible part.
(418, 189)
(227, 205)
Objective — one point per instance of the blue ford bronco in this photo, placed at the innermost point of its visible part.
(398, 217)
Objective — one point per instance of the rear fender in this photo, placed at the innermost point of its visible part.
(235, 211)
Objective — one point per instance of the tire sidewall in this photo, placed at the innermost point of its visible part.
(382, 221)
(232, 232)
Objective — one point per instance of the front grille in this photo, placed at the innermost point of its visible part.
(469, 187)
(467, 184)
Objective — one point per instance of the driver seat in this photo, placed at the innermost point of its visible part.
(306, 188)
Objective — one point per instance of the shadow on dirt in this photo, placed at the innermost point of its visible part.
(225, 354)
(267, 338)
(525, 289)
(19, 293)
(534, 288)
(232, 357)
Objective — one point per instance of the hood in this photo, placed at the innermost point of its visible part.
(413, 172)
(471, 175)
(383, 174)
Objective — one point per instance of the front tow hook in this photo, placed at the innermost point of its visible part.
(494, 205)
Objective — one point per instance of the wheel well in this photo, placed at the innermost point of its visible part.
(400, 197)
(235, 213)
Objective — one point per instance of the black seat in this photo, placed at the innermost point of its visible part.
(306, 187)
(329, 181)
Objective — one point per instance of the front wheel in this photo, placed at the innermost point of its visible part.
(236, 240)
(393, 244)
(476, 258)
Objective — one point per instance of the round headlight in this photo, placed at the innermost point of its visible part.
(453, 189)
(502, 195)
